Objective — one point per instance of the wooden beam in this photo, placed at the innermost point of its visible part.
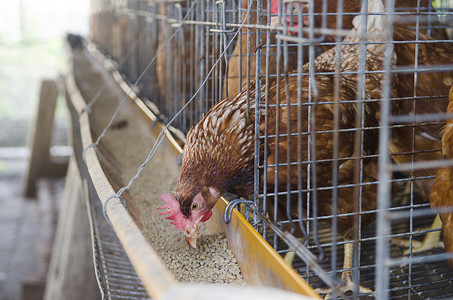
(42, 134)
(41, 137)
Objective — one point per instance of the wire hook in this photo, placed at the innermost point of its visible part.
(231, 205)
(104, 205)
(95, 150)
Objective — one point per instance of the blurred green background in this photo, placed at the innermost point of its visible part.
(32, 49)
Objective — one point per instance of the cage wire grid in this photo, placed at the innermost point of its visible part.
(281, 49)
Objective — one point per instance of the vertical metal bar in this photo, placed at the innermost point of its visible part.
(168, 62)
(192, 73)
(266, 120)
(257, 105)
(240, 47)
(300, 118)
(180, 64)
(202, 59)
(412, 173)
(358, 144)
(215, 81)
(177, 61)
(154, 41)
(186, 63)
(193, 36)
(224, 74)
(210, 42)
(222, 41)
(336, 139)
(277, 130)
(310, 201)
(312, 106)
(384, 171)
(199, 63)
(249, 9)
(288, 132)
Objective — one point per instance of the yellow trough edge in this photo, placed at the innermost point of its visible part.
(260, 263)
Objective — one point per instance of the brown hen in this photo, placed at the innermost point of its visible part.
(241, 63)
(421, 142)
(352, 7)
(418, 143)
(442, 191)
(174, 83)
(420, 93)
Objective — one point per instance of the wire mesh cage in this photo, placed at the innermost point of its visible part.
(349, 104)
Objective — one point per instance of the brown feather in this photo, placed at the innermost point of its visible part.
(442, 190)
(218, 153)
(423, 142)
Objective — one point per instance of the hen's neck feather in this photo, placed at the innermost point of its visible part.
(218, 149)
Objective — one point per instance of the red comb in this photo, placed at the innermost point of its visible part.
(274, 6)
(172, 208)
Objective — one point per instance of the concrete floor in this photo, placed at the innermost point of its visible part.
(26, 229)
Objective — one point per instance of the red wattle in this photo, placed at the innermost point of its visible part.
(206, 216)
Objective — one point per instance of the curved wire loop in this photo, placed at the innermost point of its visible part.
(104, 205)
(95, 150)
(231, 205)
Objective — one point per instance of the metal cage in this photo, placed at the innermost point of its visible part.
(189, 55)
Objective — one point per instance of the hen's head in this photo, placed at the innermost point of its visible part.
(188, 217)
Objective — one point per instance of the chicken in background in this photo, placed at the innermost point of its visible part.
(219, 151)
(431, 90)
(238, 67)
(350, 9)
(441, 195)
(176, 66)
(421, 142)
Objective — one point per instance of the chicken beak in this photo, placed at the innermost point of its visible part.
(191, 238)
(192, 241)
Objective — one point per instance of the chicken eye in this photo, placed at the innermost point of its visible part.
(194, 206)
